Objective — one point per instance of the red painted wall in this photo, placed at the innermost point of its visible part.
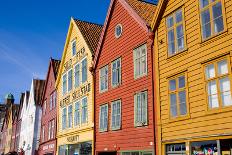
(129, 137)
(50, 114)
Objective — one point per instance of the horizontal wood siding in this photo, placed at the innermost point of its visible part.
(129, 137)
(201, 122)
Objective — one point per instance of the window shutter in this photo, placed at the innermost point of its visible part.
(135, 110)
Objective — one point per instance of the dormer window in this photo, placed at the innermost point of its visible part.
(73, 47)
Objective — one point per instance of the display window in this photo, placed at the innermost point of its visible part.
(176, 149)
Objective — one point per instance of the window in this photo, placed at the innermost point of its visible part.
(140, 109)
(54, 99)
(64, 85)
(52, 129)
(103, 118)
(44, 107)
(136, 153)
(77, 75)
(84, 110)
(118, 30)
(70, 80)
(211, 17)
(64, 118)
(43, 134)
(73, 47)
(177, 96)
(84, 70)
(116, 115)
(175, 32)
(116, 72)
(51, 102)
(140, 61)
(178, 149)
(104, 79)
(69, 116)
(49, 130)
(218, 83)
(77, 114)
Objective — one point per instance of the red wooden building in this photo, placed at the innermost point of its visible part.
(48, 120)
(124, 104)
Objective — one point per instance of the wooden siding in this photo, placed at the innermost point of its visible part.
(200, 122)
(128, 137)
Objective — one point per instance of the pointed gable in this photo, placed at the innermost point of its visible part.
(38, 90)
(55, 65)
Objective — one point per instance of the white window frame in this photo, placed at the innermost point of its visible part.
(82, 110)
(65, 123)
(100, 108)
(136, 122)
(86, 69)
(71, 116)
(135, 58)
(106, 76)
(68, 80)
(75, 84)
(120, 72)
(74, 40)
(116, 127)
(64, 92)
(75, 124)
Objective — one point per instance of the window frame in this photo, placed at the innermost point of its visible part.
(75, 85)
(135, 58)
(71, 116)
(81, 121)
(107, 76)
(107, 116)
(74, 41)
(172, 14)
(75, 124)
(65, 123)
(81, 66)
(64, 93)
(229, 74)
(44, 110)
(211, 15)
(68, 80)
(120, 72)
(176, 91)
(111, 125)
(51, 102)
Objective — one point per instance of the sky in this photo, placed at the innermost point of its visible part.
(32, 31)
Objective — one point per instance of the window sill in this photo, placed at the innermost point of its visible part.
(140, 76)
(219, 110)
(179, 118)
(116, 86)
(177, 55)
(115, 129)
(213, 38)
(103, 91)
(103, 131)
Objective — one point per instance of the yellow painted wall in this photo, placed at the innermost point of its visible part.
(200, 122)
(84, 131)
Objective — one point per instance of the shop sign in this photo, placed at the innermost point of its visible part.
(81, 53)
(81, 91)
(72, 138)
(65, 101)
(45, 147)
(51, 146)
(67, 65)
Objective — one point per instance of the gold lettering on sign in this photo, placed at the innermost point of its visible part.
(81, 53)
(72, 138)
(65, 101)
(68, 65)
(81, 91)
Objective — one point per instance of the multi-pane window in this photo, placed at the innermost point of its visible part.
(178, 149)
(69, 116)
(211, 17)
(73, 47)
(64, 84)
(140, 61)
(103, 78)
(84, 70)
(70, 80)
(84, 111)
(43, 134)
(140, 109)
(54, 99)
(116, 115)
(218, 84)
(77, 114)
(49, 130)
(44, 107)
(52, 129)
(175, 32)
(51, 102)
(103, 118)
(64, 118)
(116, 72)
(77, 75)
(177, 96)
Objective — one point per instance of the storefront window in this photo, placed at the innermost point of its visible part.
(177, 149)
(226, 147)
(76, 149)
(205, 148)
(63, 150)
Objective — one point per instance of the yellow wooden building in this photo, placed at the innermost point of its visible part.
(76, 90)
(192, 59)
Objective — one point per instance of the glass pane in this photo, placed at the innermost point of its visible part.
(181, 81)
(205, 19)
(204, 148)
(172, 85)
(182, 101)
(222, 67)
(171, 42)
(225, 91)
(170, 22)
(180, 37)
(178, 16)
(210, 72)
(217, 10)
(212, 87)
(213, 101)
(217, 17)
(204, 3)
(173, 105)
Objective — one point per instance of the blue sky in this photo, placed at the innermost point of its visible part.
(33, 31)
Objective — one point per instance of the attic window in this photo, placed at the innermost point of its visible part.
(118, 30)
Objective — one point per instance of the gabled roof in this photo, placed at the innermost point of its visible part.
(160, 9)
(91, 33)
(55, 65)
(141, 11)
(38, 90)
